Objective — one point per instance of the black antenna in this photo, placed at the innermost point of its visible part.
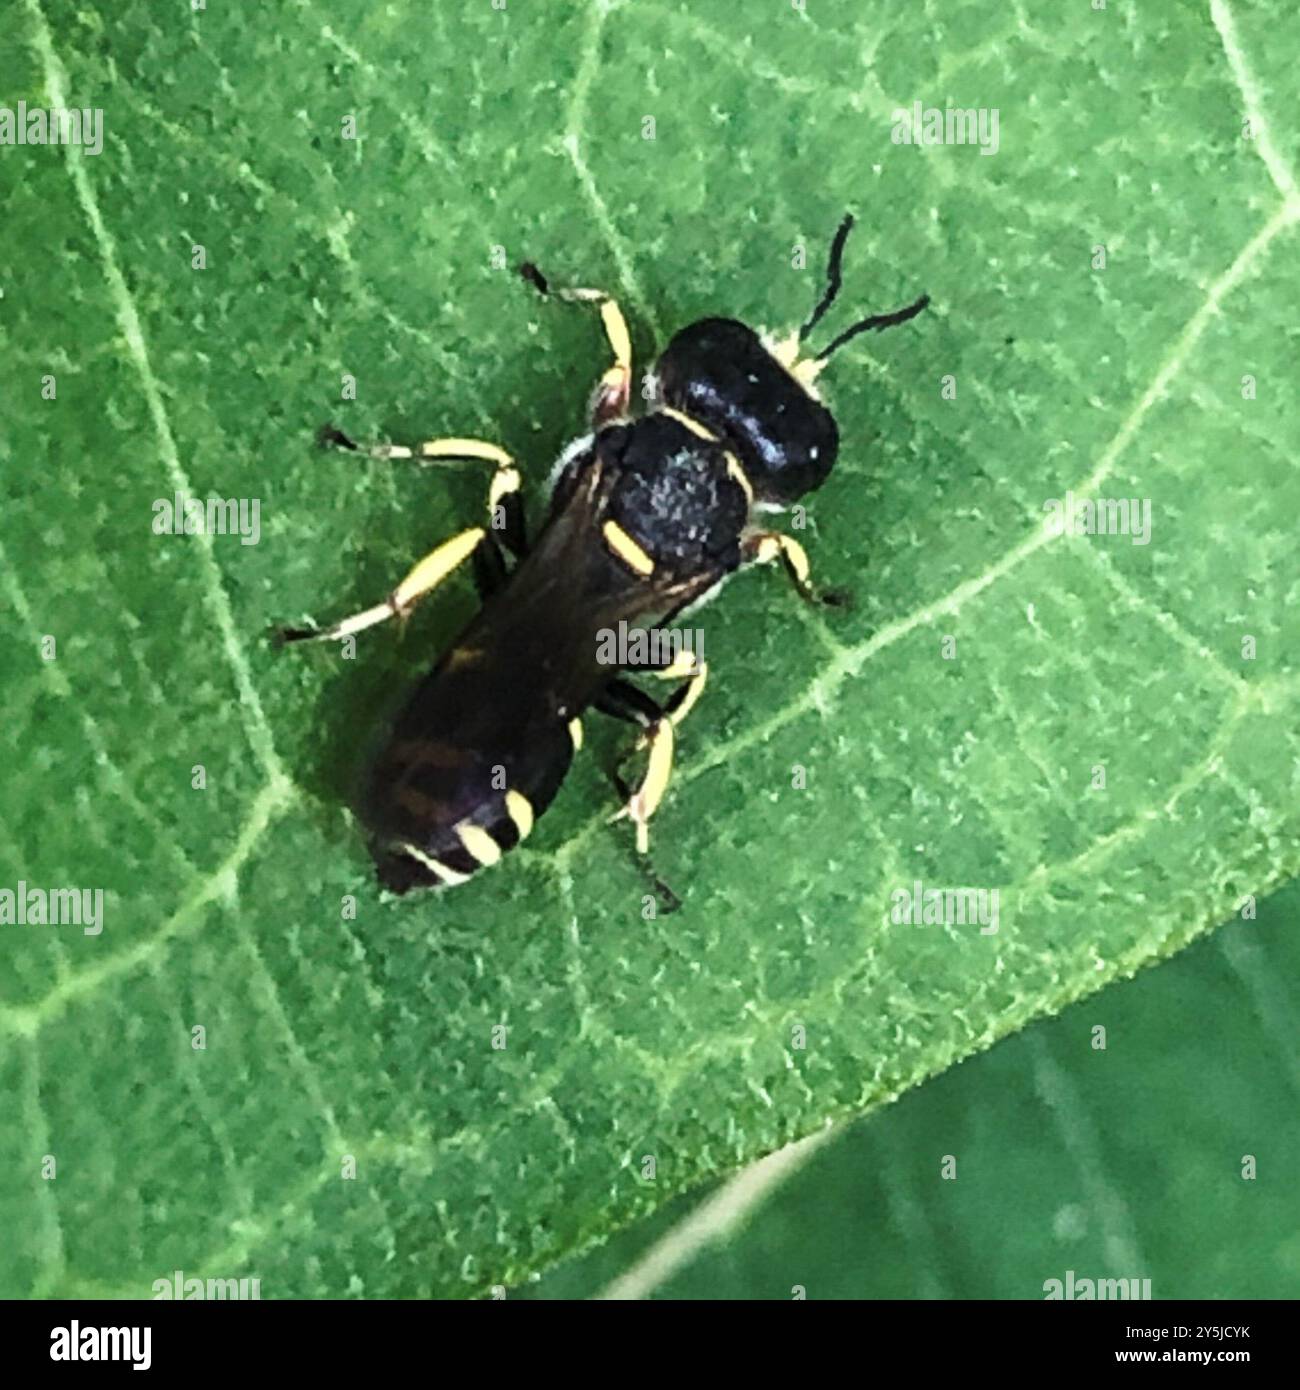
(833, 276)
(875, 321)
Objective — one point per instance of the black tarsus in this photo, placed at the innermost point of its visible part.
(834, 277)
(535, 277)
(282, 636)
(668, 900)
(331, 437)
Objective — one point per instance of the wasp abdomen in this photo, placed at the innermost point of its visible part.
(441, 810)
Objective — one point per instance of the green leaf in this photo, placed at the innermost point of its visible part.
(1112, 1161)
(523, 128)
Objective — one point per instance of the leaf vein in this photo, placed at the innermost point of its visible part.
(28, 1019)
(572, 142)
(1278, 169)
(128, 319)
(113, 774)
(1163, 619)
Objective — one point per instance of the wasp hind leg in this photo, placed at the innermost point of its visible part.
(421, 581)
(614, 390)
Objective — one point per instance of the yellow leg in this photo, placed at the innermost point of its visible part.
(660, 737)
(643, 802)
(763, 547)
(615, 387)
(422, 580)
(686, 666)
(505, 476)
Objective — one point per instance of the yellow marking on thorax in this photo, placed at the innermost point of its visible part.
(626, 548)
(703, 432)
(687, 422)
(440, 871)
(520, 810)
(479, 843)
(575, 733)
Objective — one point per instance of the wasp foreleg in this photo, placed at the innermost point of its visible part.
(763, 547)
(610, 400)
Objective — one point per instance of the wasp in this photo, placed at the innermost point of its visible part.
(647, 516)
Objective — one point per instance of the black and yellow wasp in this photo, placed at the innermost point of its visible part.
(647, 516)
